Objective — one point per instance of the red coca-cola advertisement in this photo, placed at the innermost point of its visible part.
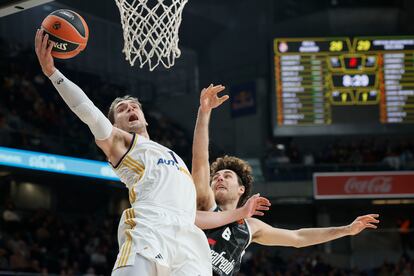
(363, 185)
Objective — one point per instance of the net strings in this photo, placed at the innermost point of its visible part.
(151, 33)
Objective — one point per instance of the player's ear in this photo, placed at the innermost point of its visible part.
(242, 189)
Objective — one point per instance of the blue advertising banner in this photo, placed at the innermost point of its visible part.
(56, 163)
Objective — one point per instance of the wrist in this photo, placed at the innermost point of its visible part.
(205, 111)
(48, 71)
(348, 230)
(242, 212)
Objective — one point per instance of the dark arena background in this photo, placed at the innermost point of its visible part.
(321, 105)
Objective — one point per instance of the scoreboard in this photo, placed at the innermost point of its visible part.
(343, 85)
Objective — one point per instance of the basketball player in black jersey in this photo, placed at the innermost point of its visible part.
(227, 186)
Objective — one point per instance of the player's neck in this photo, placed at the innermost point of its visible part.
(231, 205)
(143, 133)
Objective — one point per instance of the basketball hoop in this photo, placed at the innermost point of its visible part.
(151, 31)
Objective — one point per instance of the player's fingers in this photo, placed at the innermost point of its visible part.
(369, 225)
(214, 90)
(257, 213)
(43, 48)
(203, 93)
(264, 203)
(370, 215)
(38, 40)
(50, 47)
(369, 219)
(372, 220)
(263, 208)
(373, 215)
(217, 89)
(223, 99)
(263, 199)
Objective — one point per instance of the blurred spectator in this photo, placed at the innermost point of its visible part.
(9, 213)
(404, 229)
(308, 159)
(392, 159)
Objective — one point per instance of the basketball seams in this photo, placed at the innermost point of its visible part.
(56, 13)
(71, 26)
(85, 26)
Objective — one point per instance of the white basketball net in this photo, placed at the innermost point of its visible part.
(151, 30)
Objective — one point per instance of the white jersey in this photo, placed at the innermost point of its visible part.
(163, 201)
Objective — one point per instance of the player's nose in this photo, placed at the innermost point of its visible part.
(130, 107)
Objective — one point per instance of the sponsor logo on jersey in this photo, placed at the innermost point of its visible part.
(168, 162)
(221, 263)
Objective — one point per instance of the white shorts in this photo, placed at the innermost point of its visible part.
(145, 267)
(142, 266)
(172, 247)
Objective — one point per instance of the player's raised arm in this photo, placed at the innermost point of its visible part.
(268, 235)
(253, 207)
(200, 161)
(73, 96)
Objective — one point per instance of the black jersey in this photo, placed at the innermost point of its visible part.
(227, 245)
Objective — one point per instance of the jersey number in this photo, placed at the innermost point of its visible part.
(226, 234)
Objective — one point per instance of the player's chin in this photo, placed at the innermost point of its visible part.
(220, 193)
(136, 126)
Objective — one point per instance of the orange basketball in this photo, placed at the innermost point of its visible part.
(68, 30)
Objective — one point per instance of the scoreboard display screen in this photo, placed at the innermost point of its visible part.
(341, 85)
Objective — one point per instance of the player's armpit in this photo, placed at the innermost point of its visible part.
(116, 145)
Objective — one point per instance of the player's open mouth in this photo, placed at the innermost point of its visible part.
(133, 117)
(220, 187)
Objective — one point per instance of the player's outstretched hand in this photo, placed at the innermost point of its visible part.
(362, 222)
(209, 98)
(43, 48)
(255, 205)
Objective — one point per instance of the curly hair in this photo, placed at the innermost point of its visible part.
(111, 112)
(242, 169)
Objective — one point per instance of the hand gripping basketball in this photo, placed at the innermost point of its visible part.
(69, 32)
(43, 48)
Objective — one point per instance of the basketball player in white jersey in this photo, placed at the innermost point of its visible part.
(227, 185)
(157, 235)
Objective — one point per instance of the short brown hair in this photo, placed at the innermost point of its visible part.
(242, 169)
(111, 112)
